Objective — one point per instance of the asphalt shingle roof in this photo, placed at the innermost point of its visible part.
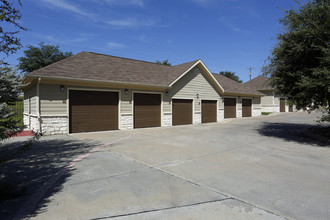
(260, 83)
(94, 66)
(101, 67)
(232, 86)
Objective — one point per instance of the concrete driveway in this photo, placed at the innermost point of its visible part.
(253, 168)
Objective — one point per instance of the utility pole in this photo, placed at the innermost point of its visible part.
(250, 68)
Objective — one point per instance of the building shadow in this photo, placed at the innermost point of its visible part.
(300, 133)
(22, 177)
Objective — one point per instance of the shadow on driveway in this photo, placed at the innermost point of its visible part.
(300, 133)
(23, 176)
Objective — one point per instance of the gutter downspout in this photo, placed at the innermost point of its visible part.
(38, 105)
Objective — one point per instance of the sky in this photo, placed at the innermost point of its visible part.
(227, 35)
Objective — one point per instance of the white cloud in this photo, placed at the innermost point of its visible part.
(114, 45)
(55, 40)
(62, 4)
(139, 3)
(229, 23)
(130, 22)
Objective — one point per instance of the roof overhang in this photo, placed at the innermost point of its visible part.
(29, 79)
(242, 94)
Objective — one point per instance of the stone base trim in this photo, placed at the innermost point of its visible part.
(197, 118)
(54, 125)
(239, 113)
(270, 108)
(126, 122)
(256, 112)
(221, 115)
(167, 119)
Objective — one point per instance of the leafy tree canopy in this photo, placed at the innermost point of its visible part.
(164, 62)
(10, 85)
(231, 75)
(43, 55)
(10, 15)
(299, 66)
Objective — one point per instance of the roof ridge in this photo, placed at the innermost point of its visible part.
(125, 58)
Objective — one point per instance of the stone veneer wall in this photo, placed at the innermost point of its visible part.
(197, 118)
(239, 113)
(126, 121)
(26, 120)
(256, 112)
(221, 115)
(34, 126)
(54, 125)
(270, 108)
(167, 119)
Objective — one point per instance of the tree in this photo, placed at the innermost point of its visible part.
(9, 43)
(231, 75)
(299, 66)
(164, 62)
(10, 85)
(37, 57)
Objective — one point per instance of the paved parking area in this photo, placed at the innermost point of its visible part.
(254, 168)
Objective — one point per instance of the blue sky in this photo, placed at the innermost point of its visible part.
(228, 35)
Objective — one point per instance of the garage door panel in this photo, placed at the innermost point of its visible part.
(147, 110)
(246, 107)
(93, 111)
(229, 107)
(182, 111)
(209, 111)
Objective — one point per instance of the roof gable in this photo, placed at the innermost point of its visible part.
(192, 65)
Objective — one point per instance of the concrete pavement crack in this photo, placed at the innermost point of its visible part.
(161, 209)
(199, 185)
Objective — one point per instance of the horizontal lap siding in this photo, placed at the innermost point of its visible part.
(52, 100)
(191, 84)
(256, 103)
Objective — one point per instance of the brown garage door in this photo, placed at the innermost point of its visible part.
(209, 111)
(282, 105)
(147, 110)
(246, 107)
(181, 111)
(92, 111)
(230, 108)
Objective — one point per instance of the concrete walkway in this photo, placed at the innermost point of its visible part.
(254, 168)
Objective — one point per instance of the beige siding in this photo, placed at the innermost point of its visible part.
(27, 96)
(52, 100)
(238, 103)
(126, 102)
(268, 99)
(30, 95)
(189, 86)
(34, 105)
(256, 102)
